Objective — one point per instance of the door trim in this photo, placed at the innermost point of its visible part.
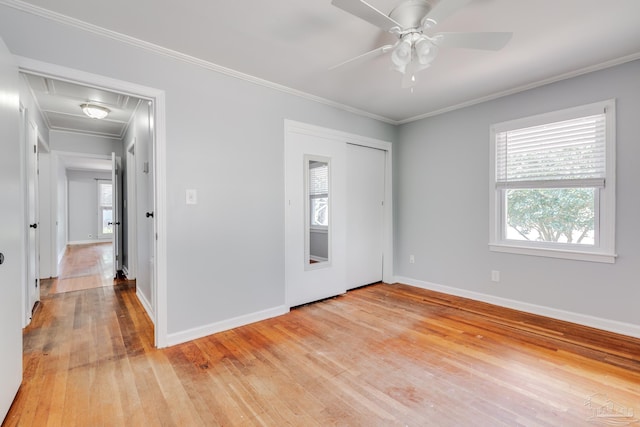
(157, 96)
(292, 126)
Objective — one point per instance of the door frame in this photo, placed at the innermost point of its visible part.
(157, 97)
(292, 127)
(30, 136)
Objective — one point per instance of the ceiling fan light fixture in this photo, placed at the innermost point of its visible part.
(425, 50)
(95, 111)
(401, 55)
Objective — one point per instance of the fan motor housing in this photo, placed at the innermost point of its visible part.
(409, 13)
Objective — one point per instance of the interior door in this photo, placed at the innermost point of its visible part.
(116, 187)
(33, 242)
(12, 232)
(365, 214)
(310, 279)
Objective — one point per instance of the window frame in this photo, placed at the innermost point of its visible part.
(102, 208)
(318, 227)
(603, 249)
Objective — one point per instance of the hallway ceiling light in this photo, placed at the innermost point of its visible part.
(95, 111)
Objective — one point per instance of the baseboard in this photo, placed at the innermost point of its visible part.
(86, 242)
(225, 325)
(145, 304)
(567, 316)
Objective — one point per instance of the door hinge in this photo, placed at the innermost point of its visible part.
(36, 283)
(35, 149)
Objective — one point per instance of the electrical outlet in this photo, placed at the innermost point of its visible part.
(91, 236)
(495, 276)
(412, 259)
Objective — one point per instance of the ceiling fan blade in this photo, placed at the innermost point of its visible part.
(365, 56)
(442, 11)
(365, 11)
(482, 41)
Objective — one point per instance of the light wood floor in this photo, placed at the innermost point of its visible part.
(84, 267)
(384, 355)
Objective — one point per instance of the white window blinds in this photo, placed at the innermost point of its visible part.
(569, 153)
(318, 179)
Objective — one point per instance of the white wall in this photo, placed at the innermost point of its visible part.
(60, 209)
(442, 206)
(44, 188)
(47, 259)
(70, 142)
(225, 254)
(83, 205)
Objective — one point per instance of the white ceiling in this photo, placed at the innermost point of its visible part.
(294, 42)
(85, 163)
(60, 101)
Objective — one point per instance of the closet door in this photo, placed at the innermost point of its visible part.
(365, 214)
(315, 217)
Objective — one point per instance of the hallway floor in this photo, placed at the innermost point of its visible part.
(83, 267)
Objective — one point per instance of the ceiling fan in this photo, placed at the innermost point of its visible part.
(413, 22)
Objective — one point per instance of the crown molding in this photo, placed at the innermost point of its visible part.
(85, 26)
(553, 79)
(76, 23)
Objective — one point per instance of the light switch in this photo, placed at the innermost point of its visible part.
(192, 197)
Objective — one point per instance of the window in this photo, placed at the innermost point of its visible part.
(105, 209)
(553, 184)
(319, 194)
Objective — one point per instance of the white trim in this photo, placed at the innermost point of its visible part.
(132, 41)
(292, 126)
(224, 325)
(158, 97)
(614, 326)
(604, 248)
(554, 253)
(87, 242)
(160, 256)
(523, 88)
(76, 23)
(145, 304)
(132, 206)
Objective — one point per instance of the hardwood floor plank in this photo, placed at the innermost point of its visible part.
(383, 355)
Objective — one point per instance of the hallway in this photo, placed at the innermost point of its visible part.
(83, 267)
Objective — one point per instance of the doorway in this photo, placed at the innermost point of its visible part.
(153, 106)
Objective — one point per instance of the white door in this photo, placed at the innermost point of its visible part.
(365, 214)
(310, 278)
(116, 183)
(12, 229)
(32, 291)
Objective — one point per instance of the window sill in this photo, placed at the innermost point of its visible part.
(554, 253)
